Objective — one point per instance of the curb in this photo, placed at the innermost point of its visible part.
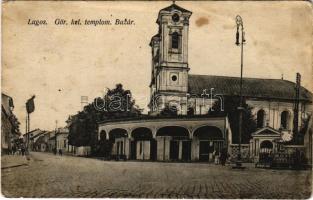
(13, 166)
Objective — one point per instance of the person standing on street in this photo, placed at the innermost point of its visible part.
(216, 157)
(13, 150)
(23, 150)
(223, 156)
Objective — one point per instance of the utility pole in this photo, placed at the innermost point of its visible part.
(240, 108)
(296, 108)
(28, 125)
(30, 107)
(56, 128)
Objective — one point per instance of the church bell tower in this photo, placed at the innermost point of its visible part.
(169, 77)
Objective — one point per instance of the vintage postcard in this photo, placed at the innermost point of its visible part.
(156, 99)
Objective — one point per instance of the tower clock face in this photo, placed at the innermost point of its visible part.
(175, 17)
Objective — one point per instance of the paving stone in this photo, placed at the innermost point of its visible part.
(55, 176)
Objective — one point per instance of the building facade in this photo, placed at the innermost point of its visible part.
(9, 132)
(194, 134)
(51, 141)
(61, 138)
(42, 142)
(180, 139)
(30, 139)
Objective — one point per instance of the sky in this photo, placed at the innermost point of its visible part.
(59, 64)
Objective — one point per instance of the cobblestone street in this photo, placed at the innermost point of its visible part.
(46, 175)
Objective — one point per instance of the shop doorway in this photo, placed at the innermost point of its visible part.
(186, 151)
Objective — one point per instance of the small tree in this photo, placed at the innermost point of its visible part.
(104, 147)
(119, 103)
(80, 132)
(15, 124)
(231, 105)
(83, 127)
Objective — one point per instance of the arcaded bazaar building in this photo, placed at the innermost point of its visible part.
(194, 135)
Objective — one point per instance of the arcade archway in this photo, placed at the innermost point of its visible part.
(118, 138)
(174, 143)
(143, 146)
(210, 141)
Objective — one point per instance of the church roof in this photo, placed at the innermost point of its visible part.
(174, 7)
(251, 87)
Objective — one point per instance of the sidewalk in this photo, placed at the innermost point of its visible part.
(9, 161)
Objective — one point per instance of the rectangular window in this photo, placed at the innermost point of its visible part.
(175, 40)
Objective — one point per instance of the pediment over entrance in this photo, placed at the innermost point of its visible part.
(266, 131)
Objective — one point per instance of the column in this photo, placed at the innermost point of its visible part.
(194, 149)
(143, 149)
(251, 148)
(257, 148)
(126, 147)
(210, 153)
(160, 147)
(167, 140)
(180, 150)
(138, 155)
(146, 150)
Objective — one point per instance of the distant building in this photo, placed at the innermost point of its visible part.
(62, 140)
(42, 143)
(51, 141)
(9, 132)
(31, 138)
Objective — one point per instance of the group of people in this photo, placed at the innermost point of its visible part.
(220, 157)
(18, 150)
(55, 151)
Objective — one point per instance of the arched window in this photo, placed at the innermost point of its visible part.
(175, 40)
(284, 119)
(260, 118)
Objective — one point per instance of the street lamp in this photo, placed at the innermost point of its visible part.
(240, 108)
